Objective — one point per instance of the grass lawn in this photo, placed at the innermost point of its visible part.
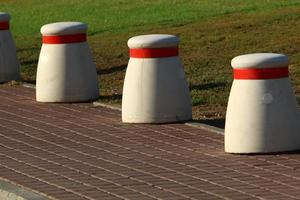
(212, 32)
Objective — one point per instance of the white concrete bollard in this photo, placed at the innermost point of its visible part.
(9, 64)
(155, 89)
(66, 72)
(262, 113)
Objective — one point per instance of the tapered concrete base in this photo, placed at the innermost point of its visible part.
(155, 91)
(262, 117)
(9, 64)
(66, 73)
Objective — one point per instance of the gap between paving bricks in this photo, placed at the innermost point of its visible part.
(193, 124)
(10, 191)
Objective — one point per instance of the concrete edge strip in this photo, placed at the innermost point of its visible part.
(28, 85)
(206, 127)
(12, 191)
(193, 124)
(96, 103)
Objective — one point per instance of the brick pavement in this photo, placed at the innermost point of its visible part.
(79, 151)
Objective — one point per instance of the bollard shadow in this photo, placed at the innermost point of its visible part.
(19, 50)
(207, 86)
(110, 97)
(30, 62)
(112, 69)
(294, 152)
(288, 152)
(92, 33)
(219, 123)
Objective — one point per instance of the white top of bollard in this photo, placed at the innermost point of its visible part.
(4, 17)
(260, 60)
(153, 41)
(64, 28)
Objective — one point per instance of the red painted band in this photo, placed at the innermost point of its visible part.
(154, 52)
(261, 73)
(63, 39)
(4, 25)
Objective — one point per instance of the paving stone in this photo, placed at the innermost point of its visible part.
(80, 151)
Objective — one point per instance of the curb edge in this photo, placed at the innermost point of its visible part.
(193, 124)
(19, 191)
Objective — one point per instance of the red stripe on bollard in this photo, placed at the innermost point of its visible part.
(4, 25)
(154, 52)
(63, 39)
(261, 73)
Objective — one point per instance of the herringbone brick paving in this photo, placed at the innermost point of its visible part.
(79, 151)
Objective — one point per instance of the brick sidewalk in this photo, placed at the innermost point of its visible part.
(78, 151)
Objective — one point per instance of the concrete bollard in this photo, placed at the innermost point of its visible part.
(66, 72)
(262, 113)
(9, 64)
(155, 89)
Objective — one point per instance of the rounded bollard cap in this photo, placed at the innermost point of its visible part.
(153, 41)
(260, 60)
(4, 17)
(64, 28)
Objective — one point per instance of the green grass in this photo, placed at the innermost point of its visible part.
(127, 15)
(212, 32)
